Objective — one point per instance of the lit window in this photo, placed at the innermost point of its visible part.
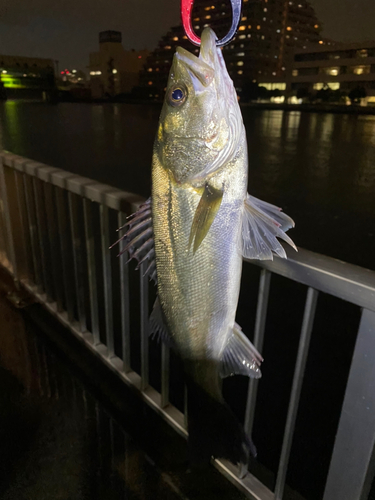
(243, 18)
(333, 71)
(167, 47)
(262, 37)
(240, 72)
(289, 28)
(74, 71)
(62, 72)
(207, 8)
(274, 73)
(242, 45)
(205, 25)
(331, 85)
(157, 69)
(321, 42)
(196, 27)
(149, 70)
(258, 27)
(175, 38)
(98, 72)
(299, 5)
(240, 54)
(264, 19)
(361, 70)
(240, 63)
(242, 28)
(295, 72)
(277, 31)
(316, 26)
(208, 17)
(114, 71)
(184, 37)
(249, 26)
(150, 83)
(362, 53)
(196, 19)
(283, 68)
(242, 37)
(248, 36)
(139, 57)
(265, 10)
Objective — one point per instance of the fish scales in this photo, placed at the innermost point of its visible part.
(199, 292)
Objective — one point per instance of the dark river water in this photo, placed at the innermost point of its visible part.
(320, 168)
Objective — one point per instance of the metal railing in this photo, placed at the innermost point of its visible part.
(50, 221)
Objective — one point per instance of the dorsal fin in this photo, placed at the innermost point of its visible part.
(139, 239)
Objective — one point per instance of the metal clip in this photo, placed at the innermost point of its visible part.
(186, 11)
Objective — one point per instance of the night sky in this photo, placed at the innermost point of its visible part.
(67, 30)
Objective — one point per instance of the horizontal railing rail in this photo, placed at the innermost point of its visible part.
(50, 222)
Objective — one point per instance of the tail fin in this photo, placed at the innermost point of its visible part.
(214, 431)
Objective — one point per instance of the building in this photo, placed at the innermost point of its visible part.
(27, 77)
(343, 66)
(263, 47)
(114, 70)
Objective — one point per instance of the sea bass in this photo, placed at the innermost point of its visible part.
(194, 232)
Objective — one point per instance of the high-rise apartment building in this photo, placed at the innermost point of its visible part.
(263, 47)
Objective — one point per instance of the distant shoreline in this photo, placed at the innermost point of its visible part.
(311, 108)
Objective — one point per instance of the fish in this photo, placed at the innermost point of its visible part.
(193, 233)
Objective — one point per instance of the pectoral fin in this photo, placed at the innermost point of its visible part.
(205, 214)
(262, 224)
(240, 356)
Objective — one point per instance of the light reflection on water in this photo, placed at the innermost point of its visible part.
(319, 167)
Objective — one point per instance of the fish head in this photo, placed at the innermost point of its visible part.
(200, 124)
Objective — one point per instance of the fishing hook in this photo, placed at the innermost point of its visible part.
(186, 11)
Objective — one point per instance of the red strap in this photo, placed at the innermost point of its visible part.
(186, 10)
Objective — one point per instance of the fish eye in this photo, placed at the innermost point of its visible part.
(177, 95)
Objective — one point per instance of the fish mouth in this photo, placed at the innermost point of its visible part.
(205, 65)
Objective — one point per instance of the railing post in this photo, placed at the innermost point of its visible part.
(303, 349)
(124, 290)
(91, 270)
(144, 326)
(107, 278)
(353, 459)
(9, 237)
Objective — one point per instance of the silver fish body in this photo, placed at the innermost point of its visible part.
(203, 224)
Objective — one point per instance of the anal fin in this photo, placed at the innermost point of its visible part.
(205, 214)
(240, 356)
